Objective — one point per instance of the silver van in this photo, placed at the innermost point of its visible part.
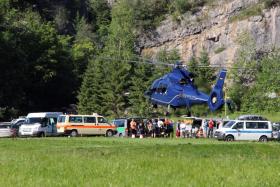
(245, 130)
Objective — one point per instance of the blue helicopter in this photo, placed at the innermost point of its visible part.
(176, 89)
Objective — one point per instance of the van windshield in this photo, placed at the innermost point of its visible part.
(229, 124)
(33, 120)
(61, 119)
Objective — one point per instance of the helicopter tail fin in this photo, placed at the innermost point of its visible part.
(216, 98)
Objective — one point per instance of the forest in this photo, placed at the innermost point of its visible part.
(68, 55)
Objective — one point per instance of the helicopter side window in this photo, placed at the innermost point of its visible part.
(183, 81)
(162, 88)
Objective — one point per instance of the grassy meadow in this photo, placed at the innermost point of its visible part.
(99, 161)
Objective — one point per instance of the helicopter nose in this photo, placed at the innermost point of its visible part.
(148, 93)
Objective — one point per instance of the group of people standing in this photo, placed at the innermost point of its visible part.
(186, 129)
(164, 128)
(152, 128)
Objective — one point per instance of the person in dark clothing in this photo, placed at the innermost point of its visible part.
(141, 128)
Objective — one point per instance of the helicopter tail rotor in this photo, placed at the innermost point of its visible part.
(216, 98)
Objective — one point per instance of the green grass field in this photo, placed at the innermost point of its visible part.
(99, 161)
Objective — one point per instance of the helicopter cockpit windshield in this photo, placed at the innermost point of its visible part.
(162, 88)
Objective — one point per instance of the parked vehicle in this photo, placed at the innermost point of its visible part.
(276, 131)
(5, 129)
(245, 130)
(16, 123)
(75, 125)
(252, 117)
(121, 125)
(40, 124)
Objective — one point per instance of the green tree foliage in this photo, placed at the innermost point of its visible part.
(34, 61)
(101, 18)
(90, 96)
(120, 45)
(148, 13)
(178, 7)
(245, 70)
(205, 75)
(264, 95)
(83, 48)
(142, 79)
(271, 3)
(118, 50)
(255, 81)
(61, 19)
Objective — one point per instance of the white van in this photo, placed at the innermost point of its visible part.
(40, 124)
(94, 124)
(245, 130)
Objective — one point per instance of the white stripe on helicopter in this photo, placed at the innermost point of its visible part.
(180, 95)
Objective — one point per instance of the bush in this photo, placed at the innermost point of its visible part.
(219, 50)
(253, 10)
(271, 3)
(148, 13)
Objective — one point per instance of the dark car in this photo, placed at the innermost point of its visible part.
(252, 117)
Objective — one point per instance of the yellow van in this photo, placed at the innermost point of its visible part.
(75, 125)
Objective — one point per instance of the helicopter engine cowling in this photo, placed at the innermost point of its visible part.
(216, 98)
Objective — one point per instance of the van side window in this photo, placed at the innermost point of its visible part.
(89, 120)
(262, 125)
(52, 121)
(101, 120)
(75, 119)
(251, 125)
(238, 125)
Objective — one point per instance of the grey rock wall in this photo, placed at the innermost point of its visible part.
(212, 29)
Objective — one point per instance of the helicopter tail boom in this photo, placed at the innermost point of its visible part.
(216, 98)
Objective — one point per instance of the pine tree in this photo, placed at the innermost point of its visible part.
(83, 48)
(117, 53)
(91, 90)
(205, 73)
(192, 66)
(142, 78)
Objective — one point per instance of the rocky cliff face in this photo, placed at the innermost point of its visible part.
(214, 29)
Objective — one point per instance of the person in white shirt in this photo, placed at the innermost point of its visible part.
(183, 129)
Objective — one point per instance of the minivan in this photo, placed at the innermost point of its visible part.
(39, 124)
(245, 130)
(74, 125)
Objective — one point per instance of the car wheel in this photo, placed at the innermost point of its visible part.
(42, 134)
(109, 133)
(229, 138)
(263, 139)
(74, 133)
